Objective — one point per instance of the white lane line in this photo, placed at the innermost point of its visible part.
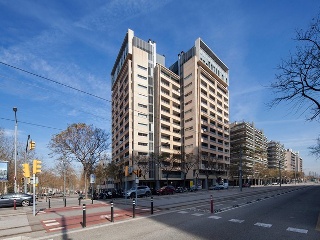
(52, 224)
(236, 220)
(183, 212)
(297, 230)
(266, 225)
(53, 229)
(214, 217)
(197, 214)
(47, 221)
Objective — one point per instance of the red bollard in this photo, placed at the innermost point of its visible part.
(211, 204)
(15, 204)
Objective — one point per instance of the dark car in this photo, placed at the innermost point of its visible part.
(246, 185)
(22, 199)
(166, 190)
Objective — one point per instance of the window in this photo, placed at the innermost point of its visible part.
(142, 134)
(142, 67)
(142, 144)
(143, 124)
(189, 137)
(142, 77)
(142, 105)
(142, 115)
(187, 77)
(142, 86)
(188, 94)
(142, 95)
(188, 120)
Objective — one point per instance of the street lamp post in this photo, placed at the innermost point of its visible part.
(15, 148)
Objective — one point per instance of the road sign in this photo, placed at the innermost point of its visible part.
(92, 178)
(32, 182)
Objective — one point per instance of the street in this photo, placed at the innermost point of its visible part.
(261, 213)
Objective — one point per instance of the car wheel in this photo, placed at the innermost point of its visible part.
(25, 203)
(147, 194)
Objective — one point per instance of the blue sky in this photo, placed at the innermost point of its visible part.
(76, 43)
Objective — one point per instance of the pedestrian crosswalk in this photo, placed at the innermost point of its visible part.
(239, 221)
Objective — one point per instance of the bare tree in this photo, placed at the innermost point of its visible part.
(188, 163)
(84, 143)
(315, 150)
(298, 81)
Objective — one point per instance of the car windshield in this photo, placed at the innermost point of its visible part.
(133, 188)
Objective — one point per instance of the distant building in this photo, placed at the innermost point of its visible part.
(249, 145)
(276, 155)
(177, 110)
(293, 161)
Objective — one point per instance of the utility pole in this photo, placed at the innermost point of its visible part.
(15, 148)
(240, 170)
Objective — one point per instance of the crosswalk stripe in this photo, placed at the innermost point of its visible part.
(297, 230)
(197, 214)
(52, 224)
(214, 217)
(182, 212)
(236, 220)
(53, 229)
(47, 221)
(266, 225)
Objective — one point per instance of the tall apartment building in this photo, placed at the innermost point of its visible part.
(177, 110)
(293, 161)
(276, 155)
(249, 145)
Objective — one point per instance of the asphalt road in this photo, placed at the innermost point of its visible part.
(283, 213)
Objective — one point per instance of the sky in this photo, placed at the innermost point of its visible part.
(50, 48)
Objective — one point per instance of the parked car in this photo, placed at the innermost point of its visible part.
(140, 191)
(246, 185)
(193, 188)
(22, 199)
(180, 190)
(166, 190)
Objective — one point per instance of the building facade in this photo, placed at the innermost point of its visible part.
(276, 155)
(248, 151)
(176, 111)
(293, 161)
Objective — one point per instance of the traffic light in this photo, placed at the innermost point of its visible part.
(36, 166)
(22, 181)
(26, 170)
(126, 171)
(32, 145)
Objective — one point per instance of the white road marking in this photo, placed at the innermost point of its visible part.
(53, 229)
(52, 224)
(197, 214)
(47, 221)
(297, 230)
(183, 212)
(145, 209)
(236, 220)
(214, 217)
(266, 225)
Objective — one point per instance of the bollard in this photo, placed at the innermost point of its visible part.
(84, 216)
(79, 200)
(46, 198)
(133, 208)
(15, 204)
(49, 203)
(65, 202)
(151, 205)
(111, 211)
(211, 203)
